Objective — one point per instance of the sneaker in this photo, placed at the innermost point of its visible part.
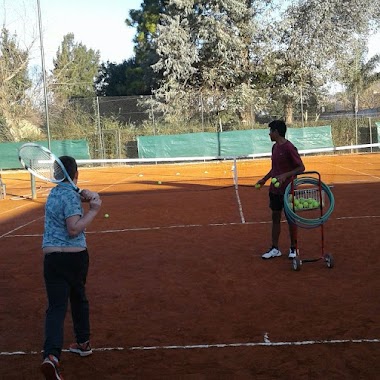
(83, 349)
(292, 253)
(272, 252)
(50, 368)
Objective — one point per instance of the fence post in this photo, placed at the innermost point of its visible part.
(101, 144)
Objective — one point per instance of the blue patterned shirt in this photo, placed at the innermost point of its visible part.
(63, 202)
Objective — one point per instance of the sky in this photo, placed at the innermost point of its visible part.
(98, 24)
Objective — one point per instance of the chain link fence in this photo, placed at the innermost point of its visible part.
(111, 125)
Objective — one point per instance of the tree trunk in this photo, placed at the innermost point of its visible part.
(288, 111)
(247, 115)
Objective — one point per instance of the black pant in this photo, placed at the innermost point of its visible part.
(65, 276)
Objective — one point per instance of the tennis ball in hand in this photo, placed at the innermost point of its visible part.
(277, 184)
(274, 180)
(106, 216)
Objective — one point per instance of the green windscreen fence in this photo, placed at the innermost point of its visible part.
(184, 145)
(311, 137)
(229, 144)
(78, 149)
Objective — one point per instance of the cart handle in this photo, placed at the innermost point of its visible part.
(308, 172)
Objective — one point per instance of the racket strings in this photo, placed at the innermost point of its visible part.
(42, 163)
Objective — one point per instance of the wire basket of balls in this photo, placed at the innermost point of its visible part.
(308, 194)
(308, 203)
(307, 199)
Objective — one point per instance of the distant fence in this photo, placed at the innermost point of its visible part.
(229, 144)
(78, 149)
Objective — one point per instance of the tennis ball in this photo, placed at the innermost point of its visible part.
(106, 216)
(274, 180)
(159, 182)
(257, 186)
(277, 184)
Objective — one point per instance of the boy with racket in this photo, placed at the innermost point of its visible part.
(286, 162)
(66, 263)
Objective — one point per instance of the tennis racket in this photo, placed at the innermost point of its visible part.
(42, 163)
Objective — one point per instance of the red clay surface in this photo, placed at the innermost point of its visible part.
(177, 286)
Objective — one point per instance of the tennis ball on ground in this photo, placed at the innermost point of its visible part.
(274, 180)
(159, 182)
(106, 216)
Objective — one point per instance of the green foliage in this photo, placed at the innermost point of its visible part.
(123, 79)
(73, 121)
(14, 84)
(205, 50)
(75, 68)
(145, 20)
(357, 73)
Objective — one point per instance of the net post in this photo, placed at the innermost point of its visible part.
(3, 192)
(234, 168)
(33, 186)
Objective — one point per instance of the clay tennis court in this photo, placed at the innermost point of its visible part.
(177, 286)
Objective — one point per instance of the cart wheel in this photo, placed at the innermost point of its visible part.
(296, 264)
(329, 260)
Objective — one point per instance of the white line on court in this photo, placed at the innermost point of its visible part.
(240, 206)
(7, 235)
(22, 226)
(353, 170)
(215, 345)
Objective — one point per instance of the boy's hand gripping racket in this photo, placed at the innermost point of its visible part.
(42, 163)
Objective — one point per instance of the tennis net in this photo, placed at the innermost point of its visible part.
(194, 173)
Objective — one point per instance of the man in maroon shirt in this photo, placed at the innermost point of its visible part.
(286, 162)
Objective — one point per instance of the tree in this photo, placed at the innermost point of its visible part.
(72, 83)
(146, 20)
(358, 74)
(14, 83)
(75, 69)
(206, 52)
(123, 79)
(309, 38)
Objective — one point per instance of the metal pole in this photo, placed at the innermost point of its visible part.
(43, 73)
(101, 142)
(33, 182)
(302, 109)
(152, 113)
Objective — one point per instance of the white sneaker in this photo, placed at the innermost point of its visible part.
(272, 252)
(292, 253)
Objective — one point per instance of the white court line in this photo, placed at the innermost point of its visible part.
(15, 208)
(183, 226)
(22, 226)
(353, 170)
(239, 204)
(209, 346)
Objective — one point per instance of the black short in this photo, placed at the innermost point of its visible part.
(276, 201)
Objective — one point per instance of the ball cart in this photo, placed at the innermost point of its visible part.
(308, 203)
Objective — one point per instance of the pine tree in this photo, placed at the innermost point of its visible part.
(75, 69)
